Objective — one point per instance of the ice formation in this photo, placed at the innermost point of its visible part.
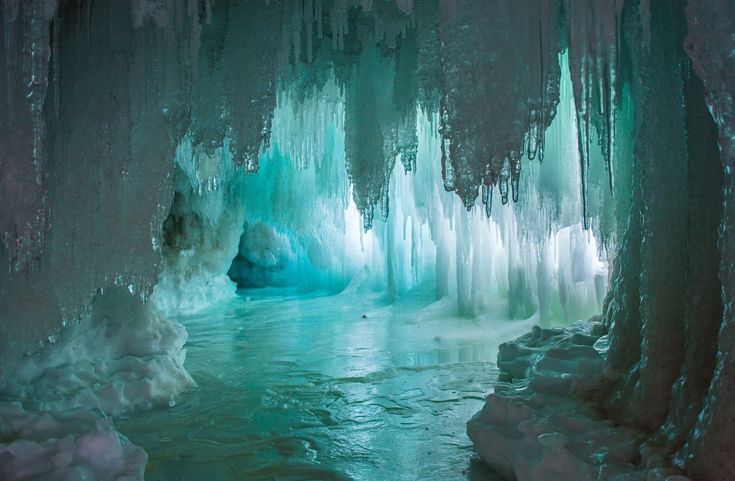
(202, 230)
(75, 445)
(428, 235)
(130, 128)
(58, 405)
(541, 425)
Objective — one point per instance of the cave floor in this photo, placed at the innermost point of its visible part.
(318, 387)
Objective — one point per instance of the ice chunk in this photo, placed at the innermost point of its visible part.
(66, 446)
(544, 425)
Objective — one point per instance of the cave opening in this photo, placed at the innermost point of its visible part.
(360, 240)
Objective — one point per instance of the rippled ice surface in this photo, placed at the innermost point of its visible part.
(325, 388)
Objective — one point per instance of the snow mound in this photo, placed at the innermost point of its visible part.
(76, 445)
(122, 355)
(541, 423)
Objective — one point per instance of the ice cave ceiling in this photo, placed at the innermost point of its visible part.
(104, 101)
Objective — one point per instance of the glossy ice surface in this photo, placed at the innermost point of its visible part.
(325, 387)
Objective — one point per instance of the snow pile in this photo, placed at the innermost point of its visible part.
(542, 424)
(76, 445)
(120, 356)
(57, 447)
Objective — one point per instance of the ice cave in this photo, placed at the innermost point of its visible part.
(367, 240)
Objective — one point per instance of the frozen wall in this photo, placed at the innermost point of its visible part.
(710, 38)
(82, 200)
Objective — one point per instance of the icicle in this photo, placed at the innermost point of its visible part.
(10, 15)
(309, 20)
(582, 136)
(367, 218)
(487, 198)
(504, 175)
(208, 11)
(594, 49)
(447, 169)
(385, 204)
(55, 55)
(515, 181)
(42, 13)
(644, 12)
(319, 14)
(338, 23)
(611, 124)
(532, 137)
(297, 20)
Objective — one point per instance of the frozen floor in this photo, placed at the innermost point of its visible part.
(307, 388)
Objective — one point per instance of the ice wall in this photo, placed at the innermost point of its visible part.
(710, 43)
(87, 212)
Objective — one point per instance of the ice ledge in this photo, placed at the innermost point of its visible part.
(542, 422)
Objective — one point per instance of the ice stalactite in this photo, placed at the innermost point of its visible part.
(368, 113)
(234, 94)
(109, 170)
(483, 146)
(593, 33)
(76, 334)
